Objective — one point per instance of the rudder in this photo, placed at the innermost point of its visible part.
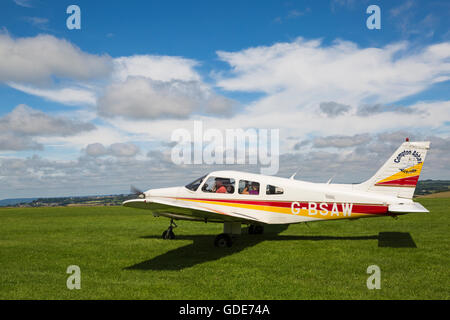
(399, 175)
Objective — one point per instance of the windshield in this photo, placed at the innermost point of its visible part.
(193, 186)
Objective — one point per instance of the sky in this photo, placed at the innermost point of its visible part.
(92, 110)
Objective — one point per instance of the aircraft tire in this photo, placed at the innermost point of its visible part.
(255, 229)
(258, 229)
(223, 240)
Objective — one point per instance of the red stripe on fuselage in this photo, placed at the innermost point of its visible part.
(356, 208)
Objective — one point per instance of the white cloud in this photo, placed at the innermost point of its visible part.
(341, 141)
(115, 149)
(138, 87)
(96, 150)
(143, 98)
(401, 9)
(427, 117)
(305, 72)
(20, 127)
(28, 121)
(24, 3)
(333, 109)
(38, 22)
(13, 142)
(67, 96)
(104, 134)
(368, 110)
(152, 87)
(38, 59)
(160, 68)
(123, 149)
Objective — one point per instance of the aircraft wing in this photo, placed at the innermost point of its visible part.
(169, 207)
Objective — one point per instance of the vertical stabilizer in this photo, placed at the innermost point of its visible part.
(399, 175)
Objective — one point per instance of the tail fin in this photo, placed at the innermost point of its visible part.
(399, 175)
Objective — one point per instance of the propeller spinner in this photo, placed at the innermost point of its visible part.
(139, 193)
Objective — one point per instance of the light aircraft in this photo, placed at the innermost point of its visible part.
(235, 198)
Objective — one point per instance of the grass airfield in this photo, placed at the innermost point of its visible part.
(122, 256)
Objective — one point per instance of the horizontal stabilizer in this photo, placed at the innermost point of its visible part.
(407, 208)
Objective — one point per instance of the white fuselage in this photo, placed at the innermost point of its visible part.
(299, 201)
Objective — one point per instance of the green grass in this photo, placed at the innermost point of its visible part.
(121, 256)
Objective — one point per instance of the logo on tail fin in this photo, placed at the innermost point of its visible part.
(404, 153)
(410, 164)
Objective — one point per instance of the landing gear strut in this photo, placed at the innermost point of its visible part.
(168, 234)
(230, 230)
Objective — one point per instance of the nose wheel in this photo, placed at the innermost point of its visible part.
(168, 234)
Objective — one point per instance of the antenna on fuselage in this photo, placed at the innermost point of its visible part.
(293, 176)
(331, 179)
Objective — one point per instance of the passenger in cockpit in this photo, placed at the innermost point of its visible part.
(254, 188)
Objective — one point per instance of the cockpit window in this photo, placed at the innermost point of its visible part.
(274, 190)
(219, 185)
(193, 186)
(248, 187)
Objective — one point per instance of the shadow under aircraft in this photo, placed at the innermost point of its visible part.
(201, 251)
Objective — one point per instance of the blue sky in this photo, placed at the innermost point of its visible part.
(208, 48)
(199, 28)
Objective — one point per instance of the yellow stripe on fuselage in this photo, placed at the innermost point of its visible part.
(284, 210)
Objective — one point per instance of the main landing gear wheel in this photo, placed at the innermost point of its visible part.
(223, 240)
(168, 234)
(255, 229)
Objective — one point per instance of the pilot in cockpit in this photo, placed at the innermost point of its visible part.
(219, 187)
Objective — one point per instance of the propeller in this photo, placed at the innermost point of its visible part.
(137, 192)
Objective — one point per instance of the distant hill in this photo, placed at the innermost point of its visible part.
(104, 200)
(445, 194)
(425, 187)
(12, 202)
